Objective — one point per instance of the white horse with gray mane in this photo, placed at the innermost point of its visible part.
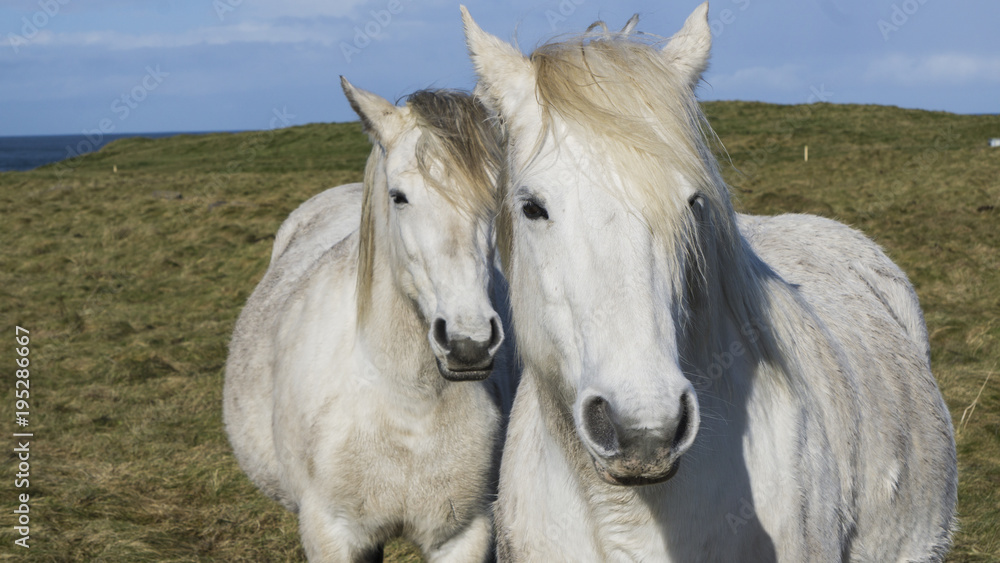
(698, 385)
(334, 399)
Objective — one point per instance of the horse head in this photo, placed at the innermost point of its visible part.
(609, 188)
(429, 198)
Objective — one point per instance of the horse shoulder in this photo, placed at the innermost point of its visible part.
(317, 370)
(248, 402)
(290, 276)
(281, 341)
(315, 326)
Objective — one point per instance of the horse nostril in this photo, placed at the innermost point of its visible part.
(684, 424)
(599, 426)
(441, 333)
(496, 334)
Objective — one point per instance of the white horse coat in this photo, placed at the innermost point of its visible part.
(698, 385)
(338, 409)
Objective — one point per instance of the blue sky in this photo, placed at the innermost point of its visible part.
(73, 66)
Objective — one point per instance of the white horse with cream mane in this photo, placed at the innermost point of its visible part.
(698, 385)
(334, 399)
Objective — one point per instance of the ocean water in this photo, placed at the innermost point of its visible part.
(25, 153)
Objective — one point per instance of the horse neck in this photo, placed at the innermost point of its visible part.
(751, 336)
(730, 326)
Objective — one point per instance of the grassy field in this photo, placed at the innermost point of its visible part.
(130, 283)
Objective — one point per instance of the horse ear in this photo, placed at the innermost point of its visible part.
(630, 25)
(379, 118)
(689, 48)
(505, 75)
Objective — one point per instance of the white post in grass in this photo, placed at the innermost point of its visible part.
(807, 153)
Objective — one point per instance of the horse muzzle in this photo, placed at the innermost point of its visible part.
(623, 479)
(460, 358)
(628, 455)
(462, 373)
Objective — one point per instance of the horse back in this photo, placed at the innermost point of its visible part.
(883, 409)
(319, 223)
(800, 246)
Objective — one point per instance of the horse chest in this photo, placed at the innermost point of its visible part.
(383, 461)
(627, 531)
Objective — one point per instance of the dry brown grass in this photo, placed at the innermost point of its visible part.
(131, 296)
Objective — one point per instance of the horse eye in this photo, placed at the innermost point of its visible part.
(399, 198)
(533, 211)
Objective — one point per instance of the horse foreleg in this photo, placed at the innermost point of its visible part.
(474, 543)
(327, 537)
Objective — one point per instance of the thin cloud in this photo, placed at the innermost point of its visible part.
(781, 78)
(242, 32)
(946, 68)
(303, 21)
(302, 8)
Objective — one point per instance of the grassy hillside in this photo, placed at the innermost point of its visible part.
(130, 283)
